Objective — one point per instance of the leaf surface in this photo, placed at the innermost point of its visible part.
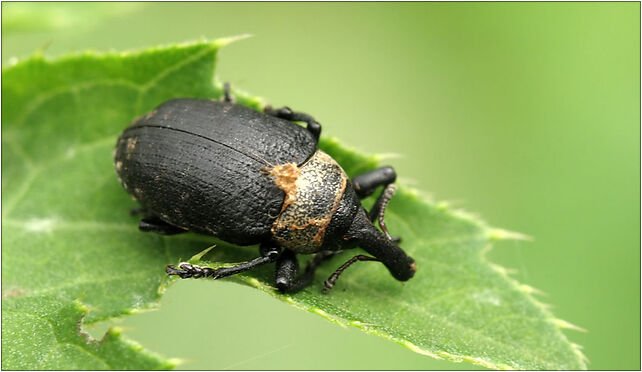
(72, 253)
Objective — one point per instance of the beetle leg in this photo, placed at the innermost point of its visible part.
(286, 113)
(331, 281)
(187, 270)
(365, 184)
(153, 224)
(287, 267)
(227, 97)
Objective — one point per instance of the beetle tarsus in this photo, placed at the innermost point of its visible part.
(365, 184)
(286, 113)
(379, 208)
(186, 270)
(329, 283)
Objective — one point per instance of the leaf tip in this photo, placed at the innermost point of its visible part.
(114, 331)
(131, 311)
(578, 351)
(501, 234)
(172, 363)
(567, 325)
(502, 270)
(197, 257)
(230, 39)
(80, 307)
(525, 288)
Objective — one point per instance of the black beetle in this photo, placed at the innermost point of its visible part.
(246, 177)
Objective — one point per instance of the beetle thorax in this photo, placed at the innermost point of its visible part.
(312, 195)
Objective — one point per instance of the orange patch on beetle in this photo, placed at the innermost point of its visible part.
(318, 237)
(302, 223)
(310, 222)
(285, 176)
(314, 224)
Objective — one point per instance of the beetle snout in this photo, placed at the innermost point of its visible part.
(407, 271)
(412, 269)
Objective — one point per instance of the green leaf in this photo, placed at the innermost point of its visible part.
(67, 235)
(72, 252)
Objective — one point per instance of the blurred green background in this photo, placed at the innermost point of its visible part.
(525, 113)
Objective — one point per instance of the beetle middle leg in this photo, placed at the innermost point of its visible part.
(287, 267)
(286, 113)
(365, 184)
(186, 270)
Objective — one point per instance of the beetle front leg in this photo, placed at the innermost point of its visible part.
(365, 184)
(332, 280)
(286, 113)
(186, 270)
(287, 267)
(379, 209)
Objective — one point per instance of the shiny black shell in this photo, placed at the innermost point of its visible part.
(197, 164)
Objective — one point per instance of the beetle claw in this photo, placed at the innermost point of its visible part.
(171, 270)
(184, 274)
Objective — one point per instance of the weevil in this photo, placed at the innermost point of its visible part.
(218, 168)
